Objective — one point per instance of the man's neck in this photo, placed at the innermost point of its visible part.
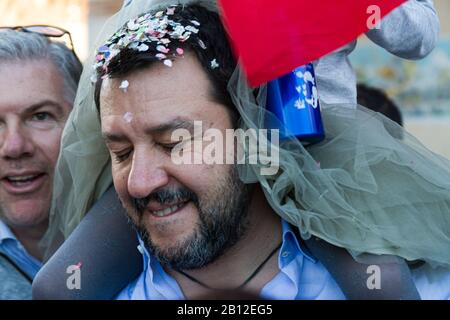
(232, 269)
(30, 238)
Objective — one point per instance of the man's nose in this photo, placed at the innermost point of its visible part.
(147, 174)
(15, 143)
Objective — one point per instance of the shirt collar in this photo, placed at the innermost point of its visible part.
(6, 233)
(292, 245)
(157, 277)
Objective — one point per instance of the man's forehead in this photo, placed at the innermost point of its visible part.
(26, 83)
(184, 83)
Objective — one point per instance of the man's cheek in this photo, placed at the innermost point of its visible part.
(49, 143)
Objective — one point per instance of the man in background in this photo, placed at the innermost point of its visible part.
(38, 82)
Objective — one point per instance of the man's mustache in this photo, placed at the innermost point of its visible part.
(19, 164)
(164, 196)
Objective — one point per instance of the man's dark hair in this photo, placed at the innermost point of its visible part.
(208, 44)
(378, 101)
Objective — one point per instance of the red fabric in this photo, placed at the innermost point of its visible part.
(275, 37)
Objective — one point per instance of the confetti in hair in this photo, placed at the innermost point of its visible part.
(151, 29)
(168, 63)
(214, 64)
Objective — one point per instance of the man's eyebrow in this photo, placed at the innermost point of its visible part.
(44, 103)
(156, 130)
(111, 137)
(175, 124)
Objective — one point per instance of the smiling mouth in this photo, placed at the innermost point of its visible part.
(23, 184)
(169, 210)
(20, 181)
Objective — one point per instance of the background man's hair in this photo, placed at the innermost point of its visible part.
(17, 46)
(378, 101)
(211, 33)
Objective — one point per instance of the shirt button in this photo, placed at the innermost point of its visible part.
(285, 254)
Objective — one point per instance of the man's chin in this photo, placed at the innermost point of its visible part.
(165, 243)
(25, 214)
(182, 253)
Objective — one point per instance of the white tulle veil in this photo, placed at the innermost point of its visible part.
(370, 187)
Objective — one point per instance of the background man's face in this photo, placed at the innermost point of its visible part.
(189, 214)
(32, 115)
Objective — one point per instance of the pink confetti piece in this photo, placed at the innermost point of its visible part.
(180, 51)
(160, 56)
(170, 11)
(128, 117)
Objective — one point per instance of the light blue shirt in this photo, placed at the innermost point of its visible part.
(12, 248)
(301, 277)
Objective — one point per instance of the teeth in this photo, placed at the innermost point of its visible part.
(21, 178)
(167, 211)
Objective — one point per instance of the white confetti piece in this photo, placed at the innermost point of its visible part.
(143, 47)
(202, 44)
(168, 63)
(124, 85)
(132, 25)
(192, 29)
(214, 64)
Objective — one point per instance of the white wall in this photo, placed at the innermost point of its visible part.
(434, 133)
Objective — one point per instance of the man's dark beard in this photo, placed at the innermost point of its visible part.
(223, 221)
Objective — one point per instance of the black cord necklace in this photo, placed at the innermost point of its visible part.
(254, 273)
